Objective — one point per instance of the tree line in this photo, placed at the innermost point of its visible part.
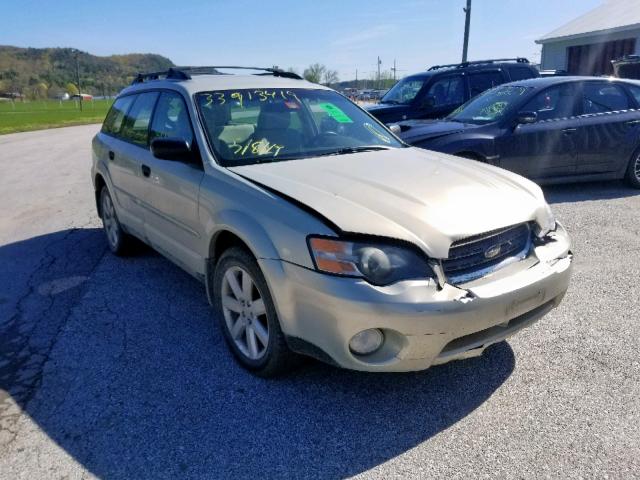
(39, 73)
(318, 73)
(50, 72)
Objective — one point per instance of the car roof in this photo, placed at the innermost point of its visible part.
(201, 83)
(471, 67)
(543, 82)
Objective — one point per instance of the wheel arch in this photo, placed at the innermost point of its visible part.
(234, 229)
(628, 175)
(98, 184)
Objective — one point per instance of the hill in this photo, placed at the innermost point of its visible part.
(47, 72)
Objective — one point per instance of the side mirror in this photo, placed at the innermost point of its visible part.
(527, 117)
(172, 148)
(395, 128)
(428, 102)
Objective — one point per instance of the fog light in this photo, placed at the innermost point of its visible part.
(366, 342)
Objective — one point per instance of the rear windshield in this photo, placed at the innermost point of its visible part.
(267, 125)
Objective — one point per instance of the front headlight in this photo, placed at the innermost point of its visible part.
(376, 262)
(546, 222)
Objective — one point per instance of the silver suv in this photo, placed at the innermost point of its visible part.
(316, 230)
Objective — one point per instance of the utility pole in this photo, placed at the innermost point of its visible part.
(394, 70)
(379, 63)
(356, 79)
(467, 22)
(78, 77)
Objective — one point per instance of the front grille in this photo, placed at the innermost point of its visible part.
(475, 256)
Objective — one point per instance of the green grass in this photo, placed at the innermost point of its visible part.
(41, 114)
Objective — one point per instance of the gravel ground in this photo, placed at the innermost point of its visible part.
(112, 367)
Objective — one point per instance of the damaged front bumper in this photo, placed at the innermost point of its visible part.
(423, 324)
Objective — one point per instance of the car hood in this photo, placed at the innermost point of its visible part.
(389, 111)
(424, 197)
(416, 130)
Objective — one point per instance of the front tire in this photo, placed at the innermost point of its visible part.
(633, 171)
(247, 315)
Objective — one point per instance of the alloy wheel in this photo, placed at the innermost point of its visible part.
(110, 221)
(245, 313)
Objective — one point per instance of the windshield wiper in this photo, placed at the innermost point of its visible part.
(390, 102)
(347, 150)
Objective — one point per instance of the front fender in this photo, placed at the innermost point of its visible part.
(272, 227)
(247, 229)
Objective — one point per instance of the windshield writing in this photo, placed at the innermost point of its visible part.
(263, 125)
(490, 106)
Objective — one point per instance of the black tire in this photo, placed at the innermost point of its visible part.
(633, 171)
(119, 242)
(276, 357)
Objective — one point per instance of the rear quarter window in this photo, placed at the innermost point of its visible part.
(117, 113)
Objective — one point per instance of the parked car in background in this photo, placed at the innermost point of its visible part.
(627, 67)
(553, 73)
(316, 230)
(369, 95)
(554, 129)
(443, 88)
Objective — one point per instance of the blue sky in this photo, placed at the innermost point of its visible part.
(344, 35)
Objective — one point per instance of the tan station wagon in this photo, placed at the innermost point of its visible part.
(315, 230)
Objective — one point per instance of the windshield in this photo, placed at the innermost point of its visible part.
(268, 125)
(490, 106)
(403, 92)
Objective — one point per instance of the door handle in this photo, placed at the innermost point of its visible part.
(146, 171)
(569, 131)
(111, 155)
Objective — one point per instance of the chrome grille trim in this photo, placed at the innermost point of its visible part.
(468, 258)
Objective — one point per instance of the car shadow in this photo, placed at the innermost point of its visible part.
(138, 383)
(580, 192)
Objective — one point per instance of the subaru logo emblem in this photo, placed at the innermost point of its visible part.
(492, 251)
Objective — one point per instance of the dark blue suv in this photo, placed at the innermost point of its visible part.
(443, 88)
(553, 129)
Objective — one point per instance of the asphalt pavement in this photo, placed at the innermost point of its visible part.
(114, 367)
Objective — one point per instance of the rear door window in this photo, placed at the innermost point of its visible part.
(603, 97)
(113, 123)
(136, 123)
(447, 91)
(481, 81)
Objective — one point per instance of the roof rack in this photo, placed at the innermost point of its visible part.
(480, 62)
(185, 73)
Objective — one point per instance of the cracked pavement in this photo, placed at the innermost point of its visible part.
(114, 367)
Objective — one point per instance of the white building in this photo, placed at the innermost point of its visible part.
(586, 45)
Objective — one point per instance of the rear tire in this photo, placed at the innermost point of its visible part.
(633, 171)
(118, 241)
(247, 315)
